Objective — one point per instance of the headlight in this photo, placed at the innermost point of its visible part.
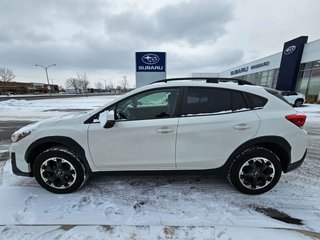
(24, 132)
(17, 136)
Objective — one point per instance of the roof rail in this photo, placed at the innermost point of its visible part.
(207, 79)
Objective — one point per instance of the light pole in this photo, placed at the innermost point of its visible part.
(46, 69)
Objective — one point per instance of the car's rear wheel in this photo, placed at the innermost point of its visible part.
(59, 170)
(298, 103)
(256, 170)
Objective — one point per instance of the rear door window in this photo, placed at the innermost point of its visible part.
(205, 101)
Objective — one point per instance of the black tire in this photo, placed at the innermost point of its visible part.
(298, 103)
(256, 170)
(59, 170)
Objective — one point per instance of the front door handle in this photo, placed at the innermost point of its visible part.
(164, 130)
(242, 126)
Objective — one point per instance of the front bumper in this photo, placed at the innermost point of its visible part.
(16, 170)
(296, 164)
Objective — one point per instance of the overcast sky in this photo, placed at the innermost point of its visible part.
(100, 37)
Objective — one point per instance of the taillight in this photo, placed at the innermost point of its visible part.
(297, 119)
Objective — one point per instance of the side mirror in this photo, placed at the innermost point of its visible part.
(106, 119)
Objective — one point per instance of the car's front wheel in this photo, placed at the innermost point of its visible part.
(59, 170)
(256, 170)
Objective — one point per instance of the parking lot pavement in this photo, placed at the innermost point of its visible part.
(6, 130)
(9, 127)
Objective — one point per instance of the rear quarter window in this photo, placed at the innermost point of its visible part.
(257, 102)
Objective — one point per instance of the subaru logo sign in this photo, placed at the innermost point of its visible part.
(289, 50)
(150, 59)
(150, 62)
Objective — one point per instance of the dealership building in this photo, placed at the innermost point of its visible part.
(296, 68)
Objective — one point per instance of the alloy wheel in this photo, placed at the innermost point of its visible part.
(58, 173)
(257, 173)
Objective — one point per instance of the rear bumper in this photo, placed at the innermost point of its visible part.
(297, 164)
(15, 169)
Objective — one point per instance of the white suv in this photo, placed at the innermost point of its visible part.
(294, 98)
(225, 126)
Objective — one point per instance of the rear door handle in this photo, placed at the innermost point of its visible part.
(164, 130)
(242, 126)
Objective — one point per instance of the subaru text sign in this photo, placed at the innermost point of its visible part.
(150, 61)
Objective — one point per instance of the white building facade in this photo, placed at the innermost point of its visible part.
(296, 68)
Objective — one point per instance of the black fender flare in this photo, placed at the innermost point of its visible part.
(280, 145)
(43, 143)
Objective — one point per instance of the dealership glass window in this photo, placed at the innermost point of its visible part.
(244, 77)
(313, 89)
(315, 73)
(306, 74)
(307, 66)
(264, 74)
(316, 64)
(263, 81)
(301, 68)
(251, 78)
(270, 78)
(275, 78)
(269, 81)
(257, 78)
(302, 82)
(302, 86)
(271, 73)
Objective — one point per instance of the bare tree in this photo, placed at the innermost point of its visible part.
(83, 81)
(110, 85)
(6, 75)
(99, 86)
(118, 88)
(73, 83)
(124, 83)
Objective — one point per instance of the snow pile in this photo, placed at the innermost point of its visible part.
(312, 111)
(15, 103)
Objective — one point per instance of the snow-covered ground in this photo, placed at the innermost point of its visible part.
(157, 206)
(35, 110)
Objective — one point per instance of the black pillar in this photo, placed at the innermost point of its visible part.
(290, 63)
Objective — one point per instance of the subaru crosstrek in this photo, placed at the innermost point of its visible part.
(220, 126)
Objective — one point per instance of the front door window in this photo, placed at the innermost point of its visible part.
(153, 104)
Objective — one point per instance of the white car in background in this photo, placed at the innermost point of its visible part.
(294, 98)
(244, 132)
